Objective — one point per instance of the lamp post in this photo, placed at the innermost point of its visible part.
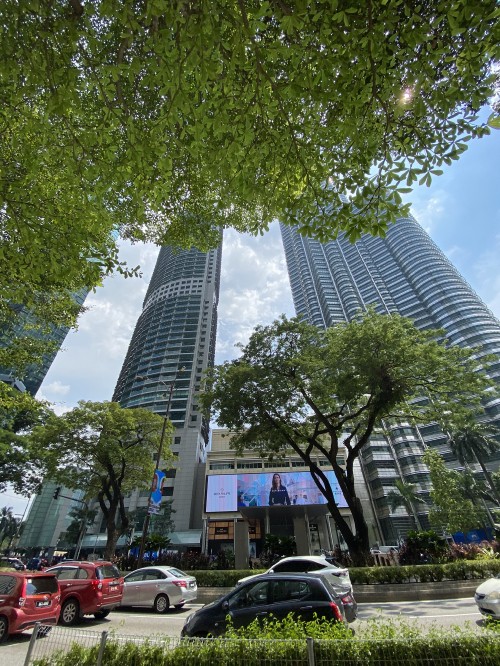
(145, 526)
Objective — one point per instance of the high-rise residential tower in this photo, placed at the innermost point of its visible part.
(404, 272)
(174, 343)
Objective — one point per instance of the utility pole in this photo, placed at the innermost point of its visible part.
(145, 527)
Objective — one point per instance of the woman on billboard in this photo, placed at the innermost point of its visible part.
(278, 493)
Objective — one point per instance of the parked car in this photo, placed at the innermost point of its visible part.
(26, 599)
(13, 562)
(87, 588)
(487, 597)
(269, 595)
(338, 577)
(159, 588)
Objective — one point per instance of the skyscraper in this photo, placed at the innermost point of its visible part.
(173, 344)
(23, 325)
(404, 272)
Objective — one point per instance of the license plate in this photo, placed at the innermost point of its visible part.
(113, 586)
(43, 603)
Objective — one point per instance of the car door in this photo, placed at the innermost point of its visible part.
(292, 596)
(69, 584)
(132, 589)
(154, 583)
(250, 602)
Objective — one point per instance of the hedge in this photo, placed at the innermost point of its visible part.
(461, 650)
(420, 573)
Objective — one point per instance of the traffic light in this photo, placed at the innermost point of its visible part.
(57, 491)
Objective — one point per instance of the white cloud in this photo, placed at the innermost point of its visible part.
(57, 388)
(254, 288)
(429, 211)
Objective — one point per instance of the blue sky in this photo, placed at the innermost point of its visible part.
(460, 211)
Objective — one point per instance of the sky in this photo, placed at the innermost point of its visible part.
(460, 211)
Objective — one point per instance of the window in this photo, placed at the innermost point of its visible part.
(67, 573)
(7, 584)
(255, 594)
(39, 585)
(135, 577)
(154, 575)
(289, 590)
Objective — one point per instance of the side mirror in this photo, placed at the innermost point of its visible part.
(225, 605)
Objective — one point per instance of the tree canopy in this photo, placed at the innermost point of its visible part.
(166, 121)
(453, 510)
(104, 450)
(319, 392)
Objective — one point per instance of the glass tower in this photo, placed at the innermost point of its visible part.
(172, 345)
(404, 272)
(22, 325)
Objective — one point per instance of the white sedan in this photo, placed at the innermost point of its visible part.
(487, 597)
(338, 576)
(159, 588)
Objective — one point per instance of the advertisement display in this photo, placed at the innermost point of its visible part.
(229, 492)
(156, 492)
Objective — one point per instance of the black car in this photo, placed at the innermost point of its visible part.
(276, 595)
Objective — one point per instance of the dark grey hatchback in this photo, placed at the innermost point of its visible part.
(269, 595)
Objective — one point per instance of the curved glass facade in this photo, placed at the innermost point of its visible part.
(404, 272)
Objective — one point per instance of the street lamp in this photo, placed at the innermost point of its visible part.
(145, 526)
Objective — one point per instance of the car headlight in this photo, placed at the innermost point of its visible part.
(493, 596)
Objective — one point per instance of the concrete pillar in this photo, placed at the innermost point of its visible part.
(241, 544)
(301, 531)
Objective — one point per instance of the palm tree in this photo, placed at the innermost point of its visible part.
(473, 440)
(407, 496)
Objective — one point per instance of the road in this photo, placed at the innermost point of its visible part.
(130, 623)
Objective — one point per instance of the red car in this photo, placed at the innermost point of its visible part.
(87, 588)
(27, 598)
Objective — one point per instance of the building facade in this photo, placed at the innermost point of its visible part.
(239, 511)
(172, 345)
(22, 326)
(404, 272)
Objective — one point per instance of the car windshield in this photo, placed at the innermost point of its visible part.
(41, 585)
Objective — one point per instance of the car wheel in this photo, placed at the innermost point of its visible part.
(100, 615)
(70, 612)
(4, 629)
(161, 603)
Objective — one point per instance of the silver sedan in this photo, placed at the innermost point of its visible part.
(159, 588)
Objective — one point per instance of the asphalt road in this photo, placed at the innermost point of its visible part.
(130, 623)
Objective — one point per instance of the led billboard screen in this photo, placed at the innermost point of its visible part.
(229, 492)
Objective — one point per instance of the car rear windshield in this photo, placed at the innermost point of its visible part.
(107, 571)
(41, 585)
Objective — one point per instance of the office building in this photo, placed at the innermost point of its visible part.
(404, 272)
(172, 345)
(21, 325)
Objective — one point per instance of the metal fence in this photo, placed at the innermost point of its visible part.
(48, 649)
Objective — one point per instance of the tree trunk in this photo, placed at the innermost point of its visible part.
(357, 542)
(488, 479)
